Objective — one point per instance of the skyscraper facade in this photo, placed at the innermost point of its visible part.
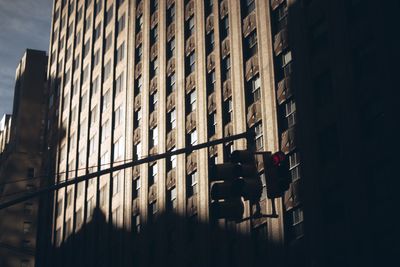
(130, 79)
(21, 156)
(134, 78)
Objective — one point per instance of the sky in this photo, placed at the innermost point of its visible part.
(23, 24)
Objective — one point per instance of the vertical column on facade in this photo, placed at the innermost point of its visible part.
(130, 35)
(180, 107)
(161, 89)
(238, 90)
(145, 110)
(202, 155)
(270, 125)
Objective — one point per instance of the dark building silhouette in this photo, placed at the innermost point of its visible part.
(21, 155)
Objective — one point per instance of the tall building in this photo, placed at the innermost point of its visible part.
(135, 78)
(21, 152)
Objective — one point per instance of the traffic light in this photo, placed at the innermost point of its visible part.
(234, 180)
(277, 174)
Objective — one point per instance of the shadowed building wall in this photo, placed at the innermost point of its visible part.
(21, 161)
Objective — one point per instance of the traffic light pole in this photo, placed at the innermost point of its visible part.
(130, 164)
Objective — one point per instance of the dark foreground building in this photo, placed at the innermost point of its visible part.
(21, 154)
(134, 78)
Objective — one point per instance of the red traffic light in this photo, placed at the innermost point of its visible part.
(277, 158)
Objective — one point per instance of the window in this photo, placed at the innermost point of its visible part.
(104, 161)
(229, 108)
(259, 140)
(153, 102)
(82, 130)
(227, 66)
(136, 188)
(119, 149)
(95, 85)
(224, 27)
(140, 22)
(121, 52)
(109, 15)
(297, 223)
(117, 182)
(212, 129)
(191, 184)
(119, 84)
(108, 42)
(105, 131)
(192, 101)
(86, 48)
(97, 32)
(97, 7)
(103, 196)
(171, 13)
(153, 174)
(171, 82)
(154, 34)
(172, 199)
(139, 52)
(63, 152)
(255, 88)
(264, 184)
(85, 74)
(291, 113)
(59, 207)
(79, 14)
(106, 100)
(27, 227)
(192, 62)
(153, 209)
(89, 208)
(191, 26)
(171, 119)
(136, 220)
(294, 162)
(96, 58)
(68, 228)
(69, 198)
(138, 150)
(88, 23)
(92, 146)
(107, 70)
(121, 24)
(116, 216)
(77, 38)
(72, 141)
(67, 76)
(81, 157)
(193, 138)
(79, 218)
(118, 116)
(171, 47)
(137, 117)
(286, 58)
(69, 53)
(93, 116)
(153, 137)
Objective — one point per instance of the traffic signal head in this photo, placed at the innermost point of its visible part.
(277, 174)
(237, 179)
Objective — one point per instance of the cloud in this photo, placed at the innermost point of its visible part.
(23, 24)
